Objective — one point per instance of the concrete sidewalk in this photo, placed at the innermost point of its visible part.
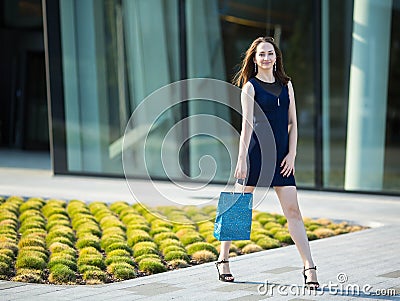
(367, 259)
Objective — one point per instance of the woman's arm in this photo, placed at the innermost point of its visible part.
(247, 101)
(288, 162)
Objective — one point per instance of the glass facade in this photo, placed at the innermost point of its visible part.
(342, 56)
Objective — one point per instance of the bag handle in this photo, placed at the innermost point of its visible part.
(243, 185)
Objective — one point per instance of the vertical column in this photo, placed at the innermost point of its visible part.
(71, 85)
(326, 156)
(206, 60)
(151, 37)
(368, 94)
(92, 83)
(82, 25)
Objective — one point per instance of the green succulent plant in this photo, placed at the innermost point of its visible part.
(31, 261)
(63, 261)
(95, 276)
(88, 241)
(62, 255)
(136, 236)
(28, 277)
(107, 240)
(132, 217)
(204, 256)
(323, 232)
(271, 225)
(151, 266)
(112, 221)
(144, 250)
(268, 243)
(94, 260)
(251, 248)
(140, 258)
(191, 238)
(241, 243)
(122, 272)
(54, 223)
(284, 237)
(61, 247)
(58, 216)
(118, 252)
(49, 210)
(169, 242)
(88, 251)
(84, 267)
(198, 246)
(61, 274)
(31, 253)
(9, 224)
(173, 248)
(30, 214)
(118, 246)
(31, 204)
(159, 223)
(60, 239)
(31, 241)
(176, 255)
(159, 238)
(178, 263)
(6, 259)
(112, 259)
(117, 207)
(144, 244)
(114, 231)
(157, 230)
(61, 231)
(7, 215)
(311, 235)
(7, 252)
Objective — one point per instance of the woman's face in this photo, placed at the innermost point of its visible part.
(265, 56)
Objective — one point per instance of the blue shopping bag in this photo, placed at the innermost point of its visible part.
(234, 213)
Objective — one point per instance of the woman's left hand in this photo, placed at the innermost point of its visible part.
(288, 165)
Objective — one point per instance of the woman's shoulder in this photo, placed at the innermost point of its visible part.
(248, 86)
(289, 85)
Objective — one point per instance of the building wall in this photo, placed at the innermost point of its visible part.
(113, 55)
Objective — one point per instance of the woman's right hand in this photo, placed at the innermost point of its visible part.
(241, 169)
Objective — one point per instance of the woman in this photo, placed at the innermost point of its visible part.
(264, 81)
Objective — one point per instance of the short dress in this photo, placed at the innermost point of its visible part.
(269, 143)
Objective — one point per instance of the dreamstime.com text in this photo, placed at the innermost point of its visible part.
(341, 288)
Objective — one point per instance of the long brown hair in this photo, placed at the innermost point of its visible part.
(247, 69)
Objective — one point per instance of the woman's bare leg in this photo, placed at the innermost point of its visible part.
(288, 198)
(225, 245)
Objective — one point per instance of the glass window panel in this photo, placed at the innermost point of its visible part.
(114, 55)
(337, 27)
(205, 59)
(368, 95)
(391, 180)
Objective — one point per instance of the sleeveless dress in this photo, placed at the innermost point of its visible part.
(269, 143)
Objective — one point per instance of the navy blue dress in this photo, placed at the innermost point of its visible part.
(269, 143)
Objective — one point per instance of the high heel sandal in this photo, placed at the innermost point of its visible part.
(311, 284)
(224, 277)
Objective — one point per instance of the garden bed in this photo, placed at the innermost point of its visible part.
(59, 242)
